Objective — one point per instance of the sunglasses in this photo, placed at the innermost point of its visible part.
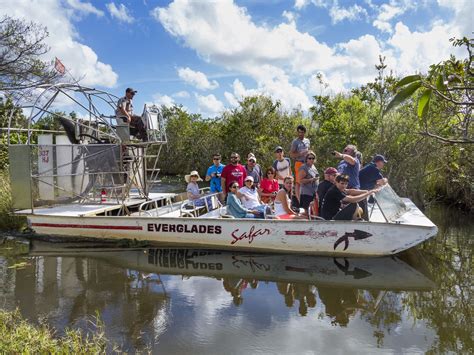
(311, 158)
(216, 158)
(249, 181)
(234, 187)
(233, 157)
(279, 151)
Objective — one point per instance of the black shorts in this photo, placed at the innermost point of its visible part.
(305, 200)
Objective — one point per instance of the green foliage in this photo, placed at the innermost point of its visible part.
(7, 220)
(404, 93)
(20, 337)
(450, 82)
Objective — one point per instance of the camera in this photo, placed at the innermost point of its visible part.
(333, 153)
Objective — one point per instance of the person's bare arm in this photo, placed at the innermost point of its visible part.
(381, 182)
(349, 159)
(354, 199)
(355, 192)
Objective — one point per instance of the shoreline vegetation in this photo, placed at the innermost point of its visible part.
(19, 336)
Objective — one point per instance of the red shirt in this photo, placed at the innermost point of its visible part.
(234, 173)
(268, 186)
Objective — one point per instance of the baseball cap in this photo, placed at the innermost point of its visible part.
(330, 171)
(249, 178)
(380, 157)
(278, 148)
(131, 90)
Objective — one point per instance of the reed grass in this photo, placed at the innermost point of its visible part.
(8, 221)
(20, 337)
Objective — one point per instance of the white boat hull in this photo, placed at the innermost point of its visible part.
(337, 238)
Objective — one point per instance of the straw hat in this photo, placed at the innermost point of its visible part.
(192, 173)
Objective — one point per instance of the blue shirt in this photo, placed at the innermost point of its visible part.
(235, 207)
(352, 171)
(215, 181)
(368, 176)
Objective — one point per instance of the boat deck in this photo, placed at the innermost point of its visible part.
(81, 209)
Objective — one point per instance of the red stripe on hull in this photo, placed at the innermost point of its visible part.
(295, 232)
(85, 226)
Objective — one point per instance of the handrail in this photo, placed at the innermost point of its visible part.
(205, 198)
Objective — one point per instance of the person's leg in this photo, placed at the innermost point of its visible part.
(298, 164)
(305, 200)
(365, 211)
(346, 213)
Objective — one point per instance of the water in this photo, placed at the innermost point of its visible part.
(211, 302)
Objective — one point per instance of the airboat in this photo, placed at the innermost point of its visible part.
(89, 178)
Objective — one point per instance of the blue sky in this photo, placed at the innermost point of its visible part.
(206, 55)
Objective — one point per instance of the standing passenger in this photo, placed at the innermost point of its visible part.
(309, 180)
(349, 165)
(253, 169)
(281, 165)
(299, 149)
(232, 172)
(214, 172)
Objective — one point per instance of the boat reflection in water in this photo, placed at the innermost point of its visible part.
(337, 281)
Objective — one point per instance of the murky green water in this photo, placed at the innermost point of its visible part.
(206, 302)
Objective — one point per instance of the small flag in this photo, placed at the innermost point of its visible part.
(59, 66)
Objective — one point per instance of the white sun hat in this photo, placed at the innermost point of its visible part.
(192, 173)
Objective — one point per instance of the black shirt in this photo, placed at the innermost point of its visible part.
(332, 202)
(322, 189)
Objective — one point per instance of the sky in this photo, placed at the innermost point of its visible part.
(208, 54)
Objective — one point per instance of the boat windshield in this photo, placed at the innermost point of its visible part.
(390, 204)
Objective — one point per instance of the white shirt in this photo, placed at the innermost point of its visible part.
(249, 198)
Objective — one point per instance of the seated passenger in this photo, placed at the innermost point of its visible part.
(248, 194)
(124, 112)
(283, 201)
(340, 203)
(269, 186)
(329, 180)
(192, 189)
(235, 207)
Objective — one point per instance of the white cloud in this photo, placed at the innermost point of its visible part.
(120, 13)
(386, 13)
(181, 94)
(231, 99)
(299, 4)
(418, 50)
(85, 7)
(290, 16)
(80, 60)
(463, 15)
(351, 13)
(197, 79)
(283, 61)
(165, 100)
(209, 105)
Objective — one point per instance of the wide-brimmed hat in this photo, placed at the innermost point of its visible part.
(379, 157)
(192, 173)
